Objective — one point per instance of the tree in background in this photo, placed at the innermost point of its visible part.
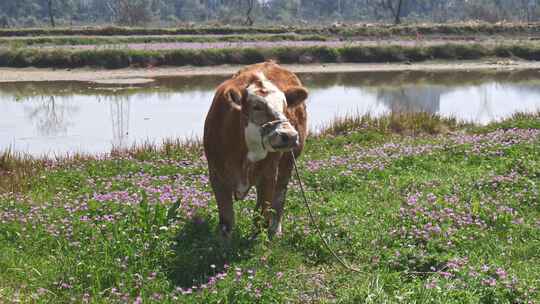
(249, 20)
(54, 9)
(282, 10)
(50, 9)
(132, 12)
(394, 7)
(4, 23)
(171, 12)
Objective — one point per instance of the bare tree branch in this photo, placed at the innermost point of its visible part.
(51, 12)
(249, 21)
(396, 12)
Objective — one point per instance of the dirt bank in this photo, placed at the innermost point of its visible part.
(139, 75)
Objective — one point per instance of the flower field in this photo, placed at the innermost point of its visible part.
(445, 216)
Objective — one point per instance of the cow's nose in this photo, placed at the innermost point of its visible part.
(289, 139)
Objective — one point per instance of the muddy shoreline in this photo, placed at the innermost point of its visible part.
(145, 75)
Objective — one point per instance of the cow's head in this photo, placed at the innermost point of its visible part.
(264, 105)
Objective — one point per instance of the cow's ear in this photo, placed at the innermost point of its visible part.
(295, 95)
(234, 96)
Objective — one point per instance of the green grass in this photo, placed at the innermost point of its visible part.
(127, 31)
(120, 58)
(450, 217)
(101, 40)
(373, 30)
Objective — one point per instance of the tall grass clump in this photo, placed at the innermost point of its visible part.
(406, 123)
(16, 170)
(518, 120)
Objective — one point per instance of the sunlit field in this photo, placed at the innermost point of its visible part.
(428, 209)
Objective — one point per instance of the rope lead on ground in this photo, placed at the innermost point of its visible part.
(314, 223)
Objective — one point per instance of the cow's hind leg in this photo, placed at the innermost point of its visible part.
(278, 201)
(225, 206)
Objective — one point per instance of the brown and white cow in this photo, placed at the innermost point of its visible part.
(256, 118)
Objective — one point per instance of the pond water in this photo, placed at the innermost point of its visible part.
(56, 118)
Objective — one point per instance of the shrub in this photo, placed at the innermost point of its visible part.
(210, 57)
(178, 57)
(250, 55)
(55, 58)
(21, 58)
(287, 54)
(354, 54)
(521, 51)
(391, 53)
(474, 51)
(325, 54)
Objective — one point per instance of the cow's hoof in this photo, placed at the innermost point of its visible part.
(225, 233)
(275, 230)
(225, 242)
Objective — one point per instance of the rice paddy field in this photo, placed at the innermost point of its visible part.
(428, 209)
(117, 47)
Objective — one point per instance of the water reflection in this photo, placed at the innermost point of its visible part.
(51, 117)
(412, 99)
(429, 98)
(120, 107)
(45, 118)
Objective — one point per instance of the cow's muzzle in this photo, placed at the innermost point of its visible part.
(279, 135)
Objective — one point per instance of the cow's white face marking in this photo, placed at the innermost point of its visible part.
(266, 93)
(266, 105)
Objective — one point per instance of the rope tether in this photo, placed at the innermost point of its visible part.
(314, 223)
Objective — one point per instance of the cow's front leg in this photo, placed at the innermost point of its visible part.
(225, 206)
(278, 201)
(265, 192)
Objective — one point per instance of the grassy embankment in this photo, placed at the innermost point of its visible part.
(467, 28)
(430, 210)
(119, 58)
(101, 40)
(18, 55)
(120, 35)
